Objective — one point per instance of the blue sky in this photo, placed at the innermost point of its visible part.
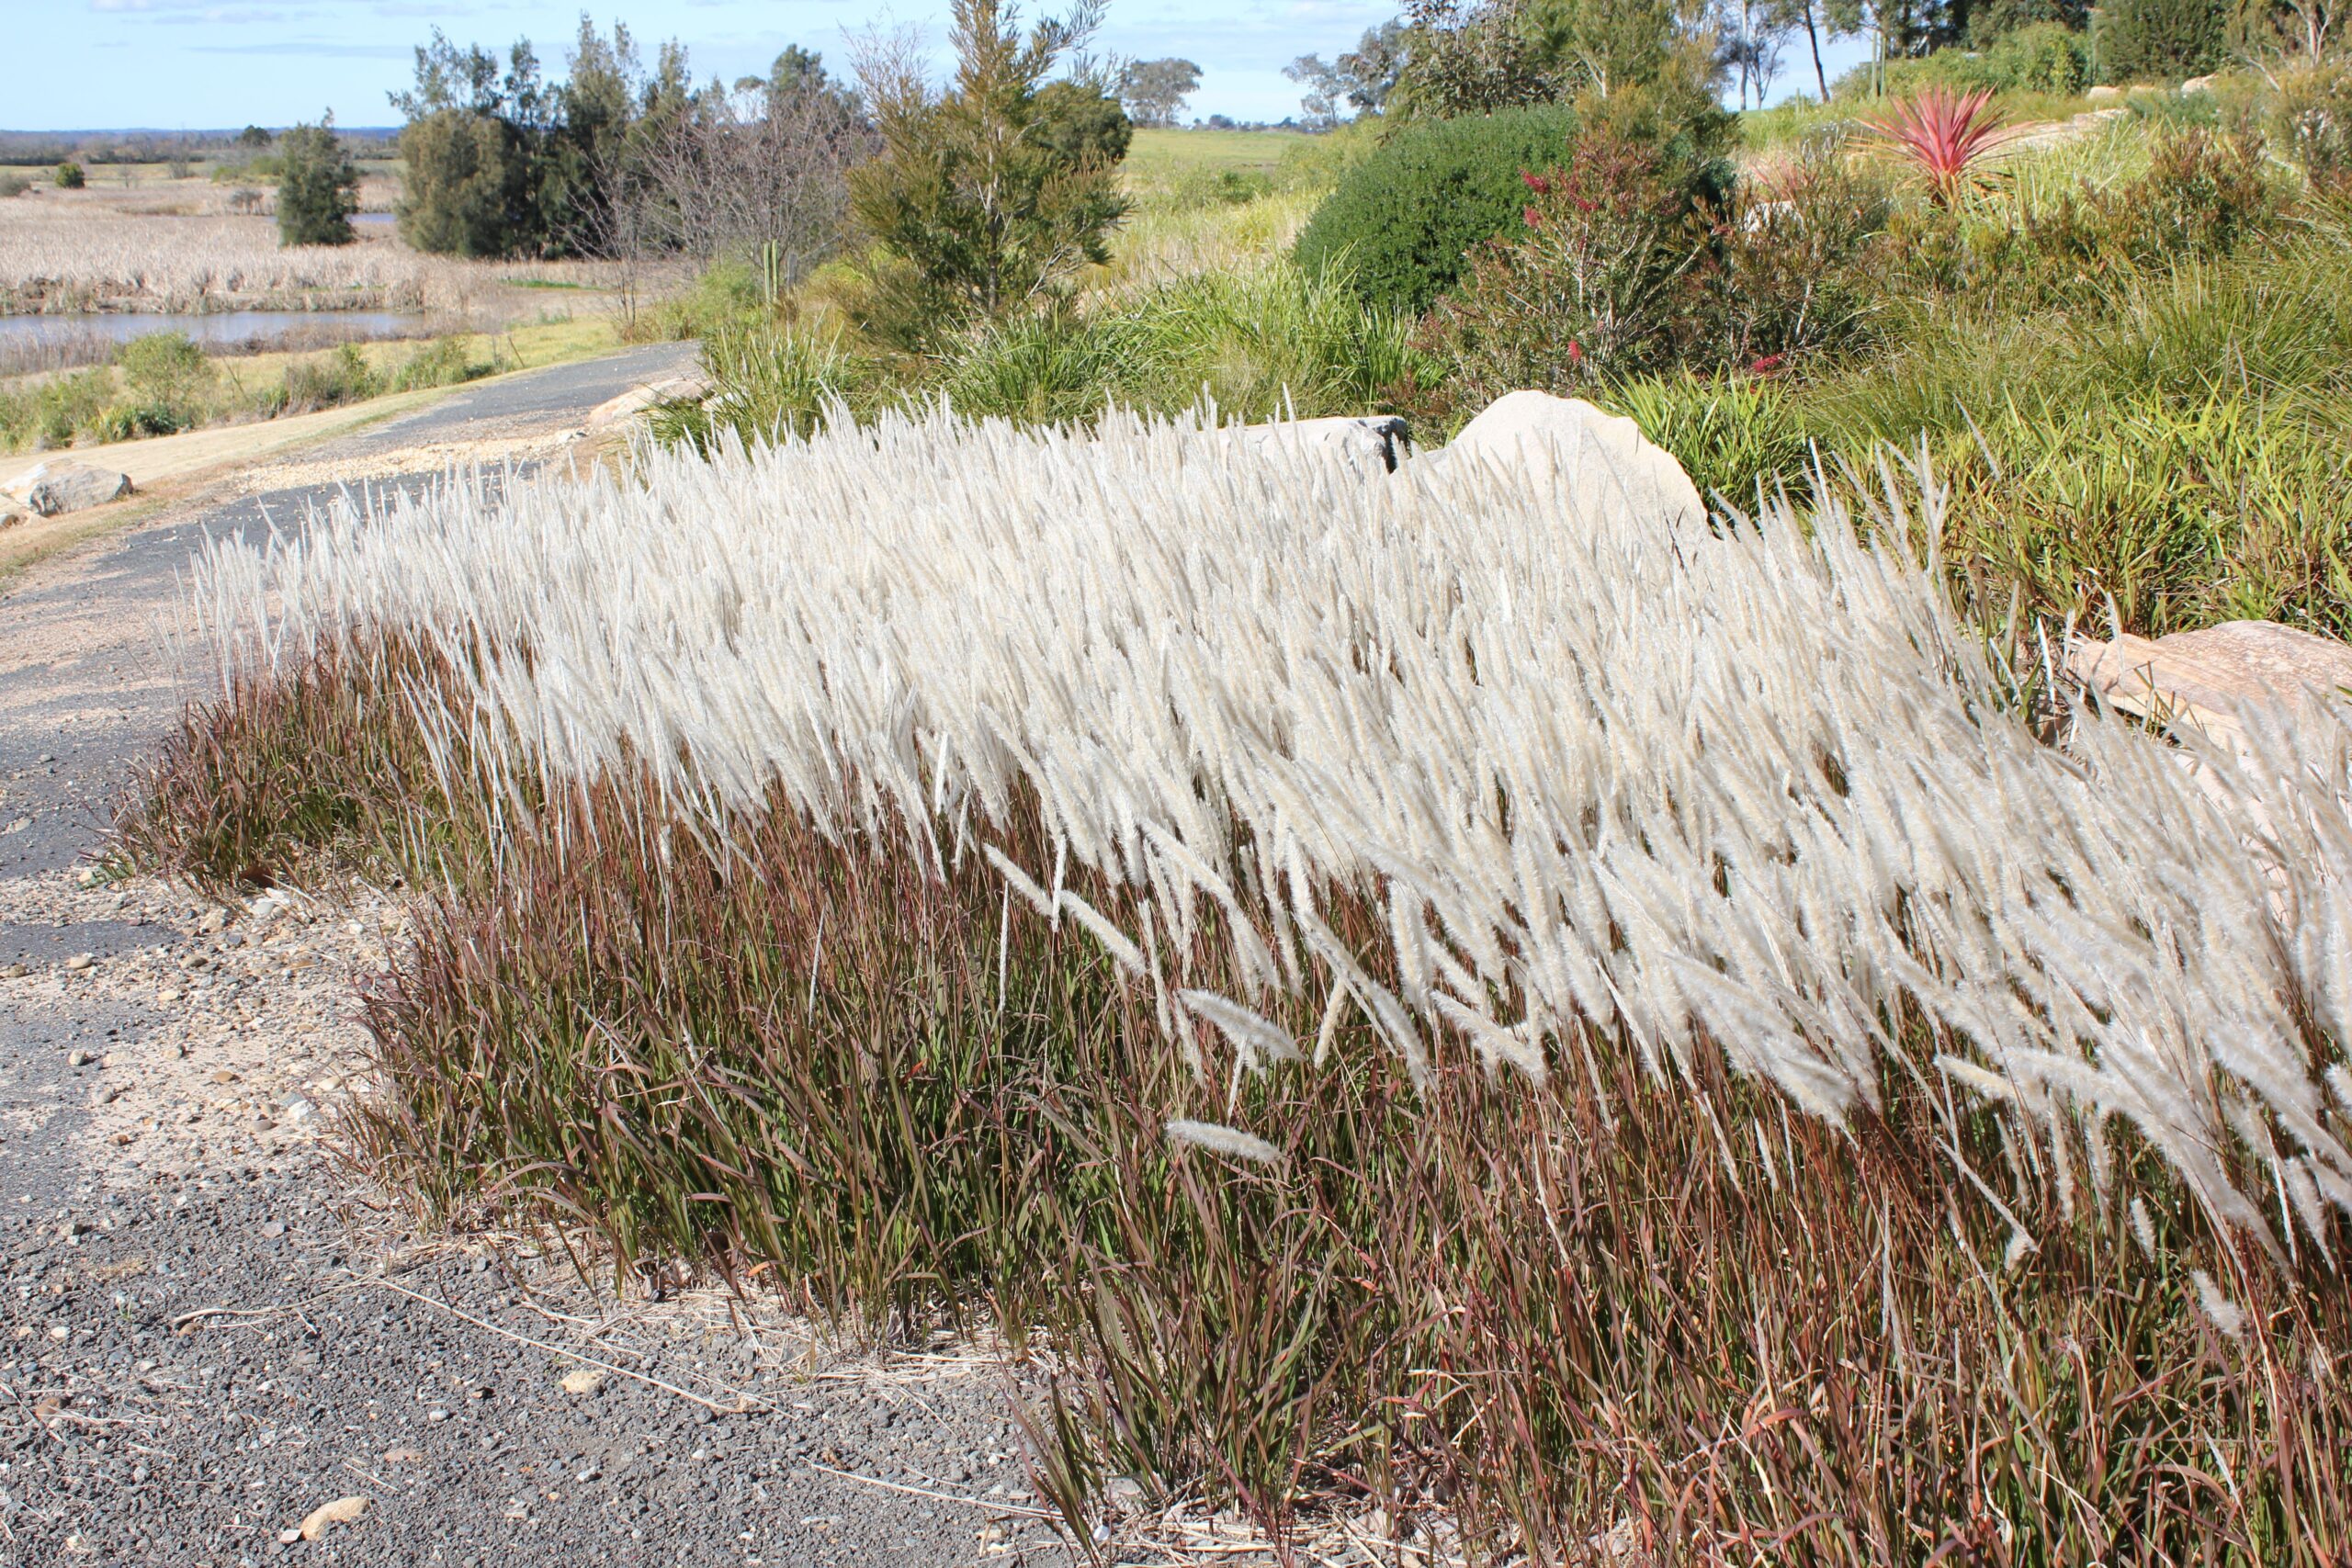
(81, 64)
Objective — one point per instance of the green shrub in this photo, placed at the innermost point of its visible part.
(1592, 289)
(1990, 21)
(330, 380)
(129, 424)
(2152, 41)
(13, 185)
(444, 362)
(71, 177)
(2308, 116)
(319, 190)
(51, 413)
(2045, 57)
(1400, 223)
(165, 370)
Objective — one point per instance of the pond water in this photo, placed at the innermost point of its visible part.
(33, 332)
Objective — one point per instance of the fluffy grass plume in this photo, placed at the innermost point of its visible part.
(1743, 788)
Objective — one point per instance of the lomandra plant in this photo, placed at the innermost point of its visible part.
(1947, 137)
(1424, 988)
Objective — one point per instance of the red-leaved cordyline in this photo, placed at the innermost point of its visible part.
(1947, 135)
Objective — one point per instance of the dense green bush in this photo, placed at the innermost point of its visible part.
(1990, 21)
(341, 377)
(319, 190)
(2203, 195)
(52, 411)
(444, 362)
(1400, 223)
(2152, 41)
(2045, 57)
(70, 176)
(166, 371)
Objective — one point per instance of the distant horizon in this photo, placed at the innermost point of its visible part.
(223, 65)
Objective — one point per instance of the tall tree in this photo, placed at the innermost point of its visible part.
(1362, 78)
(1153, 91)
(985, 196)
(318, 190)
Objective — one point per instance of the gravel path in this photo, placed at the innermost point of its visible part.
(211, 1330)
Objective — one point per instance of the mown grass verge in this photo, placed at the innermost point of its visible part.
(1671, 1317)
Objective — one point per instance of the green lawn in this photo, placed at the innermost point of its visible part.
(1159, 155)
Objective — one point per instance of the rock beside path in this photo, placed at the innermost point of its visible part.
(63, 485)
(1598, 458)
(2203, 680)
(644, 398)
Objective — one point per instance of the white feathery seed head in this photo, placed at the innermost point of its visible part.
(1744, 787)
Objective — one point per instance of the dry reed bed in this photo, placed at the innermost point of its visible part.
(55, 256)
(1745, 789)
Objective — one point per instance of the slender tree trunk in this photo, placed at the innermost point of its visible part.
(1812, 36)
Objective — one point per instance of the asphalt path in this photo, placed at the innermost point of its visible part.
(193, 1359)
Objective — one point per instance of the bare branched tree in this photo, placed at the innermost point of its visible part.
(751, 172)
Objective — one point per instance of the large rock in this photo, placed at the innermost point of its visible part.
(641, 398)
(2197, 84)
(2205, 681)
(1567, 443)
(63, 485)
(1375, 442)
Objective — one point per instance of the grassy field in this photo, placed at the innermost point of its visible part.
(1159, 157)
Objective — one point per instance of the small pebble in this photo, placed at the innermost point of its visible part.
(80, 961)
(78, 1059)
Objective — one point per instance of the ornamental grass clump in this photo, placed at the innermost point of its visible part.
(1422, 987)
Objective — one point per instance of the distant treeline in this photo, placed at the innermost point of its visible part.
(163, 146)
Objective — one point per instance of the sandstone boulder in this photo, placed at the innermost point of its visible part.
(2103, 93)
(64, 485)
(1569, 444)
(641, 398)
(2203, 681)
(1375, 442)
(2197, 84)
